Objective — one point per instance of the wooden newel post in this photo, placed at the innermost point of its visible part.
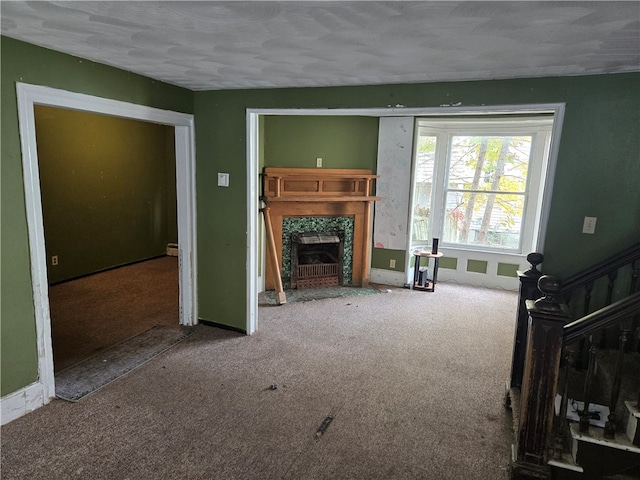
(528, 291)
(540, 379)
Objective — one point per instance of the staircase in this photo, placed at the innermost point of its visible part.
(590, 454)
(569, 354)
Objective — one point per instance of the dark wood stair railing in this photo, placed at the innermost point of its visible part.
(603, 318)
(607, 270)
(545, 335)
(547, 318)
(627, 258)
(617, 313)
(549, 334)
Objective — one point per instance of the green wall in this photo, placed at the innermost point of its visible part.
(341, 142)
(296, 141)
(596, 174)
(108, 190)
(380, 258)
(22, 62)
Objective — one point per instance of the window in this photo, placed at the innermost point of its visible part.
(478, 182)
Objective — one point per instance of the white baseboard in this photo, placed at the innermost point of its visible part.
(478, 279)
(398, 279)
(21, 402)
(387, 277)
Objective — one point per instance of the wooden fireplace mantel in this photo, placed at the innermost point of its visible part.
(313, 192)
(318, 185)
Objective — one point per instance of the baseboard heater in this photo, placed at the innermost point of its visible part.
(172, 249)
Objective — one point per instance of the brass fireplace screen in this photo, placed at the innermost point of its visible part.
(317, 259)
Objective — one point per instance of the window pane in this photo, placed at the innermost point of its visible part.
(486, 219)
(425, 159)
(489, 163)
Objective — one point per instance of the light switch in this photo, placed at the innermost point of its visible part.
(223, 179)
(589, 225)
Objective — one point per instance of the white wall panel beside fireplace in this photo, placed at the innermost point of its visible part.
(395, 147)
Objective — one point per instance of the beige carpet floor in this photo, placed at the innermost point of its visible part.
(414, 382)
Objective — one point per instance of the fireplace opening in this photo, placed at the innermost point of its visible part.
(317, 259)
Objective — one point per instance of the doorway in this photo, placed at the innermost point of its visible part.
(29, 96)
(255, 236)
(109, 207)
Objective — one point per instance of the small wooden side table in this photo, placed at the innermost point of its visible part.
(427, 285)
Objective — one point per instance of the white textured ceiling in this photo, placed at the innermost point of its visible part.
(217, 45)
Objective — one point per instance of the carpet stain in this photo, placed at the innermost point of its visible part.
(323, 426)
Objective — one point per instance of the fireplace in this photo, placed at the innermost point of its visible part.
(317, 259)
(323, 203)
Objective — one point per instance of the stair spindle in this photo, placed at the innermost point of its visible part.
(560, 437)
(612, 283)
(638, 337)
(584, 414)
(610, 426)
(610, 287)
(635, 324)
(588, 288)
(582, 351)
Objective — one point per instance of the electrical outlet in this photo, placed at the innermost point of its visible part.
(589, 225)
(223, 179)
(392, 263)
(54, 260)
(319, 162)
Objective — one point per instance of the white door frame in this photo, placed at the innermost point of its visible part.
(43, 390)
(253, 157)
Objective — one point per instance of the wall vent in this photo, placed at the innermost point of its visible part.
(172, 249)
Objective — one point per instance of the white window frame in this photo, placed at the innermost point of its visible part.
(444, 129)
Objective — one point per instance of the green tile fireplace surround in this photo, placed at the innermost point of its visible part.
(292, 225)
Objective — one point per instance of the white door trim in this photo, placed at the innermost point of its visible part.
(30, 95)
(253, 157)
